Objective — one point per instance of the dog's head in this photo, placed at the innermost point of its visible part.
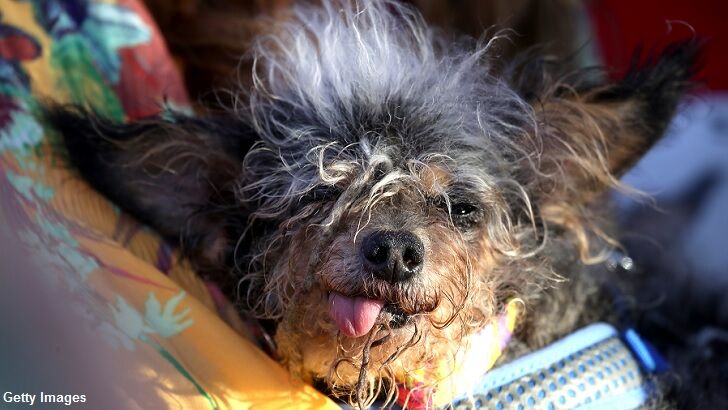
(382, 192)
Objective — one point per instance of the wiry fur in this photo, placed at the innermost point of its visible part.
(363, 119)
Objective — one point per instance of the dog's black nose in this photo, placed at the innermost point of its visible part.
(394, 256)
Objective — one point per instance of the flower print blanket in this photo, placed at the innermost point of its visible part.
(136, 302)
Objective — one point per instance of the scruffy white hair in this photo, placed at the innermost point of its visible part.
(331, 82)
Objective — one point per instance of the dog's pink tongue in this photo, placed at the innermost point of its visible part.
(354, 316)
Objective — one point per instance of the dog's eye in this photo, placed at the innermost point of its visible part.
(463, 209)
(465, 214)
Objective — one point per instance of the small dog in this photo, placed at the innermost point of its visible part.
(382, 193)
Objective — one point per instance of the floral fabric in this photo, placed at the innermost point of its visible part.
(139, 299)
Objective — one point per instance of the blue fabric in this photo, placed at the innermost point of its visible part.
(592, 368)
(651, 360)
(541, 359)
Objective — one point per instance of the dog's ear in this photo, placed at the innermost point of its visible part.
(175, 173)
(590, 131)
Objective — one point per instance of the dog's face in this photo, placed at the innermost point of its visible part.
(393, 187)
(381, 192)
(415, 187)
(396, 243)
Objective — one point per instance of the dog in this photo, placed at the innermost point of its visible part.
(383, 192)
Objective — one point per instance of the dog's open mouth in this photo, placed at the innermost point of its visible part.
(355, 315)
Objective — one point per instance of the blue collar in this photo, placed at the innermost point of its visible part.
(595, 367)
